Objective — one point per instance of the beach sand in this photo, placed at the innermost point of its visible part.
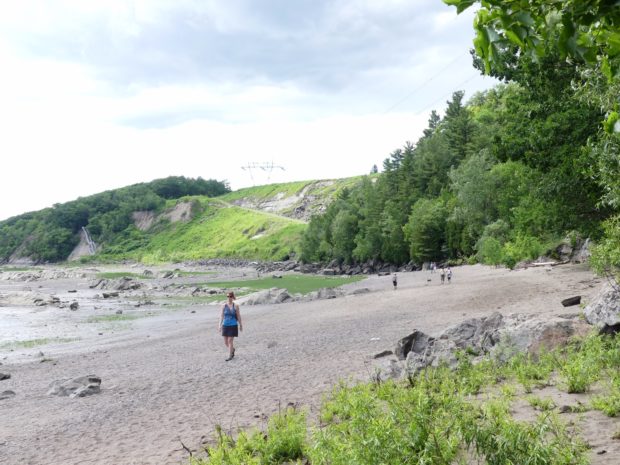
(165, 381)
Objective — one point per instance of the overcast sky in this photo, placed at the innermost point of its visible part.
(100, 94)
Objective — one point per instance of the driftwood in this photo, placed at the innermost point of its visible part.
(563, 262)
(189, 451)
(572, 301)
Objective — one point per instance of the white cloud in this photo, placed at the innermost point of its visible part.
(442, 20)
(101, 94)
(87, 159)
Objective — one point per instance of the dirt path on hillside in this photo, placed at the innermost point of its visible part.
(166, 381)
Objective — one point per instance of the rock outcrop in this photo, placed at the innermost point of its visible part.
(574, 250)
(496, 335)
(604, 311)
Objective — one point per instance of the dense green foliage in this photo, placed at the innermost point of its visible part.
(583, 38)
(51, 234)
(586, 31)
(508, 174)
(503, 176)
(443, 416)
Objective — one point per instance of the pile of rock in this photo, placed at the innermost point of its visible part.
(121, 284)
(40, 274)
(496, 335)
(329, 269)
(499, 336)
(277, 296)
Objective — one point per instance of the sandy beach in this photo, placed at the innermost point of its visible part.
(165, 380)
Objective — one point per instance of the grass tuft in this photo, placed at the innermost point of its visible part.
(121, 274)
(30, 343)
(294, 284)
(434, 418)
(115, 317)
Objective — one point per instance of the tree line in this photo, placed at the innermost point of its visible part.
(500, 178)
(51, 234)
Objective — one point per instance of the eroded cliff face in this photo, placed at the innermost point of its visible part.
(312, 199)
(143, 220)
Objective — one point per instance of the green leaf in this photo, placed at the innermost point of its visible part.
(606, 68)
(461, 5)
(569, 25)
(567, 42)
(613, 44)
(481, 42)
(615, 68)
(589, 54)
(525, 18)
(506, 21)
(609, 124)
(514, 38)
(492, 34)
(552, 19)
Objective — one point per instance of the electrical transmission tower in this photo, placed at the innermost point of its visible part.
(267, 167)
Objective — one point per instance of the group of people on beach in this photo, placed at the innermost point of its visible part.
(443, 273)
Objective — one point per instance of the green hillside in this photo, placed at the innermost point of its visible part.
(295, 199)
(218, 230)
(171, 219)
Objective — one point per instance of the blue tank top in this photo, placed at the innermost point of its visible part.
(230, 316)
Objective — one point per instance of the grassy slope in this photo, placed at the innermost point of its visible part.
(218, 231)
(322, 191)
(257, 223)
(267, 192)
(223, 230)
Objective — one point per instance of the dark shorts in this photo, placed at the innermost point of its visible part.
(230, 331)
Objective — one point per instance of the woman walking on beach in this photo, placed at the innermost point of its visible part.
(230, 324)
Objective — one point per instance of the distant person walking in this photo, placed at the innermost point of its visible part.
(230, 324)
(394, 281)
(442, 275)
(449, 274)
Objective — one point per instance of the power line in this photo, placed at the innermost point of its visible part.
(449, 93)
(454, 60)
(423, 84)
(268, 167)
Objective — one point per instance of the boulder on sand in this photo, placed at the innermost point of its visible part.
(267, 297)
(604, 311)
(498, 335)
(76, 387)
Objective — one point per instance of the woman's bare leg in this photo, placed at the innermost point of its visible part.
(228, 341)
